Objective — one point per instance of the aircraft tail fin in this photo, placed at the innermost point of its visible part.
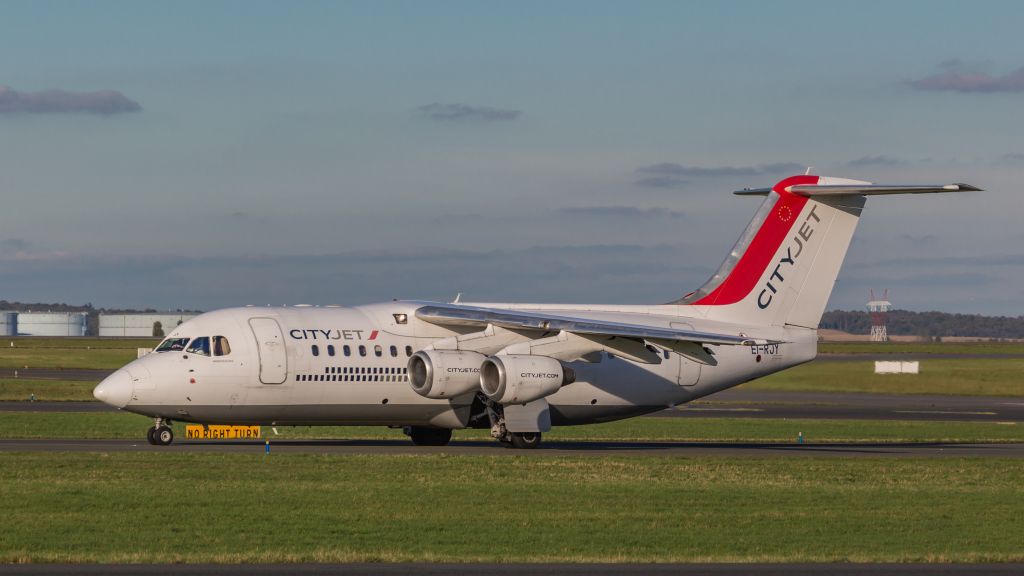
(782, 269)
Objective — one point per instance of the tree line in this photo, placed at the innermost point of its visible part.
(928, 324)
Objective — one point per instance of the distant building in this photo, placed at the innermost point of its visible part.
(140, 325)
(8, 323)
(52, 323)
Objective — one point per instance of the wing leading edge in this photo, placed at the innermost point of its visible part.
(461, 315)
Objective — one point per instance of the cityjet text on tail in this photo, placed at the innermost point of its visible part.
(515, 369)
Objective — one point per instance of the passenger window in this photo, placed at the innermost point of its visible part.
(394, 352)
(330, 349)
(172, 345)
(362, 350)
(378, 351)
(200, 346)
(316, 350)
(408, 350)
(347, 350)
(221, 346)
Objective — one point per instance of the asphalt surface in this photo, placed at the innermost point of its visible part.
(753, 404)
(921, 357)
(25, 406)
(79, 374)
(827, 405)
(506, 569)
(548, 448)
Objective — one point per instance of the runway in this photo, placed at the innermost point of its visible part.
(421, 569)
(548, 448)
(825, 357)
(738, 403)
(75, 374)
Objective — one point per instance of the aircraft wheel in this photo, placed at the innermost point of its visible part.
(151, 435)
(163, 436)
(423, 436)
(525, 439)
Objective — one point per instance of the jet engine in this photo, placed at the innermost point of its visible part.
(522, 378)
(444, 373)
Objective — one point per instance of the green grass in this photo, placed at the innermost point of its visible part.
(173, 507)
(1006, 348)
(93, 358)
(46, 390)
(37, 342)
(95, 353)
(983, 377)
(113, 425)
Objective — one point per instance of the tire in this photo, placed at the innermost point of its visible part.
(423, 436)
(151, 435)
(525, 440)
(163, 436)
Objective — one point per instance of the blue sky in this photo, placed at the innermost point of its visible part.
(333, 152)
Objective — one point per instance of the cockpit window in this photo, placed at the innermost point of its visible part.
(200, 346)
(221, 346)
(172, 345)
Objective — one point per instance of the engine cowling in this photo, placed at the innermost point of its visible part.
(522, 378)
(444, 373)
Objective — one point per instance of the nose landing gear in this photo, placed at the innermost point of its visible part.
(160, 434)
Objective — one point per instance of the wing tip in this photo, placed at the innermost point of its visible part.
(753, 192)
(961, 187)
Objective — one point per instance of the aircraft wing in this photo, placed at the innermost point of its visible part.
(462, 315)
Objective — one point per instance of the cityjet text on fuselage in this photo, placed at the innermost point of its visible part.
(331, 334)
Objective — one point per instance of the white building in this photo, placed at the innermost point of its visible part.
(52, 323)
(140, 325)
(8, 323)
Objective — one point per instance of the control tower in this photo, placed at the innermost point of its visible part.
(879, 315)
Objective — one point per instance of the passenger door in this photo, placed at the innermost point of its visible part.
(270, 344)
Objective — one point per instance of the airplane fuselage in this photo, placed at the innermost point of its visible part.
(348, 366)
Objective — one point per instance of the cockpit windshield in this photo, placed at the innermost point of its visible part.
(736, 253)
(200, 346)
(172, 345)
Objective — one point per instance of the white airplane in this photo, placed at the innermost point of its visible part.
(517, 369)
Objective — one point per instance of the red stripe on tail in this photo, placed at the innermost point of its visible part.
(763, 248)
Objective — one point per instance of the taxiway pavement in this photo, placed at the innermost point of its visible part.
(755, 404)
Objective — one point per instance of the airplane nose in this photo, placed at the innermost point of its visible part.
(115, 389)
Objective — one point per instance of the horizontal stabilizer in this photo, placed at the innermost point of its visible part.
(810, 190)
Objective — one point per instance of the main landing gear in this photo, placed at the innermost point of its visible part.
(160, 434)
(521, 440)
(524, 439)
(424, 436)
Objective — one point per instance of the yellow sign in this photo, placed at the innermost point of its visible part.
(220, 432)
